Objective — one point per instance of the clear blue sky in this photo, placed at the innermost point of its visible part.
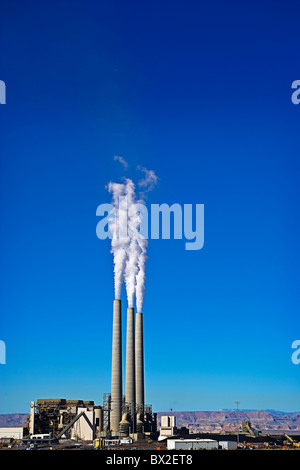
(200, 92)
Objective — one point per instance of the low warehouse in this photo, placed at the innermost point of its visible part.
(191, 444)
(228, 445)
(8, 432)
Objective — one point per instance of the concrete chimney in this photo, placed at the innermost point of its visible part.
(139, 362)
(31, 417)
(116, 369)
(130, 362)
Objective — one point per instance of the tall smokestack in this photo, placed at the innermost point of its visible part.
(116, 369)
(139, 361)
(130, 363)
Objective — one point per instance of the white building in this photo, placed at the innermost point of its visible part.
(228, 445)
(167, 427)
(11, 432)
(191, 444)
(81, 428)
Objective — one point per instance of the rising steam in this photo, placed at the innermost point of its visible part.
(119, 242)
(133, 251)
(128, 245)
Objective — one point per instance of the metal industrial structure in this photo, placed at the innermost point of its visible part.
(58, 417)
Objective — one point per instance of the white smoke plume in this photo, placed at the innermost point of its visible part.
(133, 253)
(150, 179)
(128, 245)
(141, 275)
(118, 228)
(120, 159)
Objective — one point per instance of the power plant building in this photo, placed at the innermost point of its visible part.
(167, 427)
(122, 415)
(61, 418)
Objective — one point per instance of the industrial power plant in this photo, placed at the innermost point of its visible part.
(121, 415)
(124, 418)
(128, 414)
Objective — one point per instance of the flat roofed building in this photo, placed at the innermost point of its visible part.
(11, 432)
(191, 444)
